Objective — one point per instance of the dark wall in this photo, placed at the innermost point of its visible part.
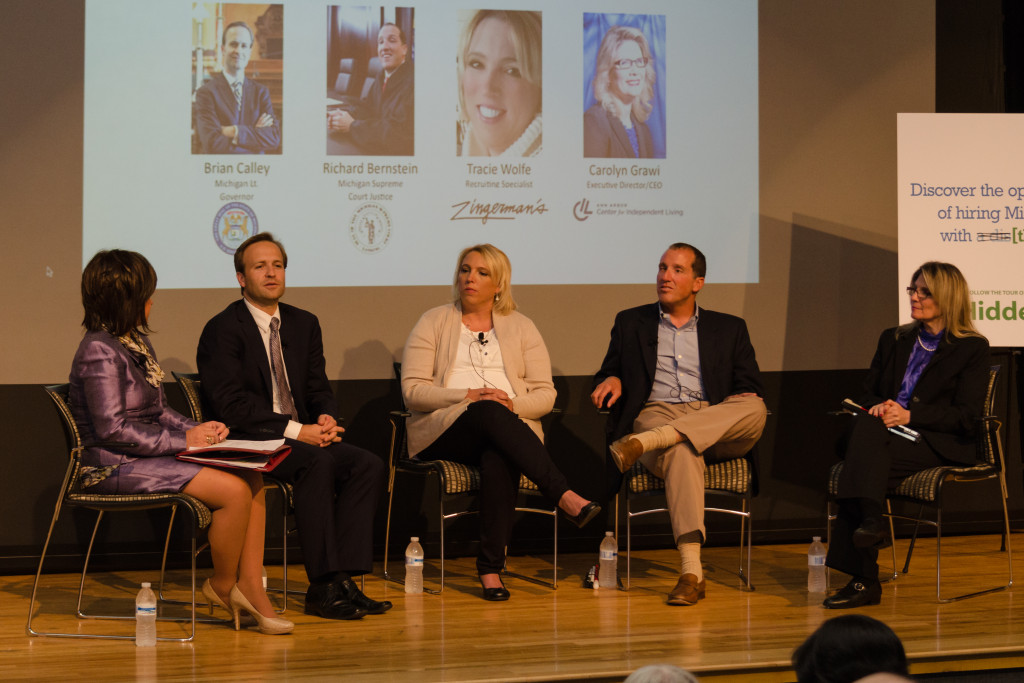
(794, 456)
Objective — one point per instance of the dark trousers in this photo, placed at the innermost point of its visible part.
(336, 493)
(490, 436)
(875, 460)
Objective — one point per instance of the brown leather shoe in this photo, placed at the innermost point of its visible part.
(626, 451)
(687, 591)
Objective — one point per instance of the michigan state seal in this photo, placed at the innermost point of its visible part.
(235, 223)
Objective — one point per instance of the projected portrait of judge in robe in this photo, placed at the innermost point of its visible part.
(624, 91)
(499, 78)
(237, 73)
(371, 83)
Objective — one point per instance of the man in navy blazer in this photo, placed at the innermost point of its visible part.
(236, 124)
(262, 371)
(682, 383)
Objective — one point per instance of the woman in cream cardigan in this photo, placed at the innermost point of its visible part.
(477, 379)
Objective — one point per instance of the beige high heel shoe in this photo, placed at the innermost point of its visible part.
(271, 626)
(212, 598)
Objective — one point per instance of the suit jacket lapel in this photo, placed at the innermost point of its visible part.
(293, 360)
(254, 340)
(647, 337)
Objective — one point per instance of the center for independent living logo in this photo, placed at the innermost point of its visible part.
(370, 228)
(235, 223)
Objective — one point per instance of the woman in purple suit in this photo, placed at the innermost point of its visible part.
(117, 396)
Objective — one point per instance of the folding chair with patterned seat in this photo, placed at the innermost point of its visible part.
(454, 481)
(736, 478)
(189, 384)
(73, 494)
(927, 488)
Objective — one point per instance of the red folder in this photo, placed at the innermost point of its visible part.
(237, 458)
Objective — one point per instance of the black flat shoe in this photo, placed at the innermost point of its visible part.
(589, 511)
(351, 591)
(329, 602)
(855, 594)
(495, 594)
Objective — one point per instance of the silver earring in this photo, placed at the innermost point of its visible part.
(497, 298)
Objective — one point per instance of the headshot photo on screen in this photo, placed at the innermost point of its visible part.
(623, 89)
(237, 76)
(499, 78)
(370, 81)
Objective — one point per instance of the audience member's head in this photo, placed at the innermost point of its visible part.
(661, 673)
(848, 648)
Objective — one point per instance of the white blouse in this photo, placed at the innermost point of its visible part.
(478, 363)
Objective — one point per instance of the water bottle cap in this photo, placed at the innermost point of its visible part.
(608, 533)
(414, 539)
(816, 538)
(146, 584)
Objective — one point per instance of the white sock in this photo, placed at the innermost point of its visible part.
(689, 551)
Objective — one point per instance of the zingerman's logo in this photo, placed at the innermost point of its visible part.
(472, 210)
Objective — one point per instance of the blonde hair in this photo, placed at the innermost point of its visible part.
(501, 272)
(616, 36)
(525, 30)
(951, 294)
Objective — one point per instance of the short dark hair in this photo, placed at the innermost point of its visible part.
(258, 237)
(116, 284)
(237, 24)
(700, 264)
(401, 33)
(847, 648)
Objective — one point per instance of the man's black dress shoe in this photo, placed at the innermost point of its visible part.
(870, 535)
(857, 593)
(327, 600)
(495, 594)
(352, 593)
(589, 511)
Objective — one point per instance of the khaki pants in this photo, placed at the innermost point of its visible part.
(731, 427)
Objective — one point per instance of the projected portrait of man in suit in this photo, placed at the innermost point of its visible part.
(234, 114)
(371, 94)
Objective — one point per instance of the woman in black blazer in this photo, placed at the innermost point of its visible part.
(930, 375)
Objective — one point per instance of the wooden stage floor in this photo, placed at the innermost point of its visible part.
(539, 635)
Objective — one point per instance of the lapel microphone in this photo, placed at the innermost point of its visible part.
(480, 338)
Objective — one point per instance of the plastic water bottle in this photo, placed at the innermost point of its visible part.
(607, 573)
(816, 567)
(414, 566)
(264, 579)
(145, 617)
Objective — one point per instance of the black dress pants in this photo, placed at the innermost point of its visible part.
(337, 489)
(490, 436)
(875, 460)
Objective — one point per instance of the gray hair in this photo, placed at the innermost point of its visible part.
(661, 673)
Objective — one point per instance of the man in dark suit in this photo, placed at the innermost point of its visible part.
(234, 114)
(383, 121)
(681, 382)
(262, 369)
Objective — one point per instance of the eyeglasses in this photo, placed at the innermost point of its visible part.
(624, 64)
(922, 292)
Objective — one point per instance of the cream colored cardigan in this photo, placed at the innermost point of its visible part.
(430, 355)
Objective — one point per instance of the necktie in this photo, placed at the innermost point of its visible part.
(237, 88)
(284, 396)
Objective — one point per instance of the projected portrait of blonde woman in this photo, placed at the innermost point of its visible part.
(499, 75)
(623, 90)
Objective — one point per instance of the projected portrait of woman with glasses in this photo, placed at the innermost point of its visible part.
(623, 90)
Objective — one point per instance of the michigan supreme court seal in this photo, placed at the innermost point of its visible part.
(370, 228)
